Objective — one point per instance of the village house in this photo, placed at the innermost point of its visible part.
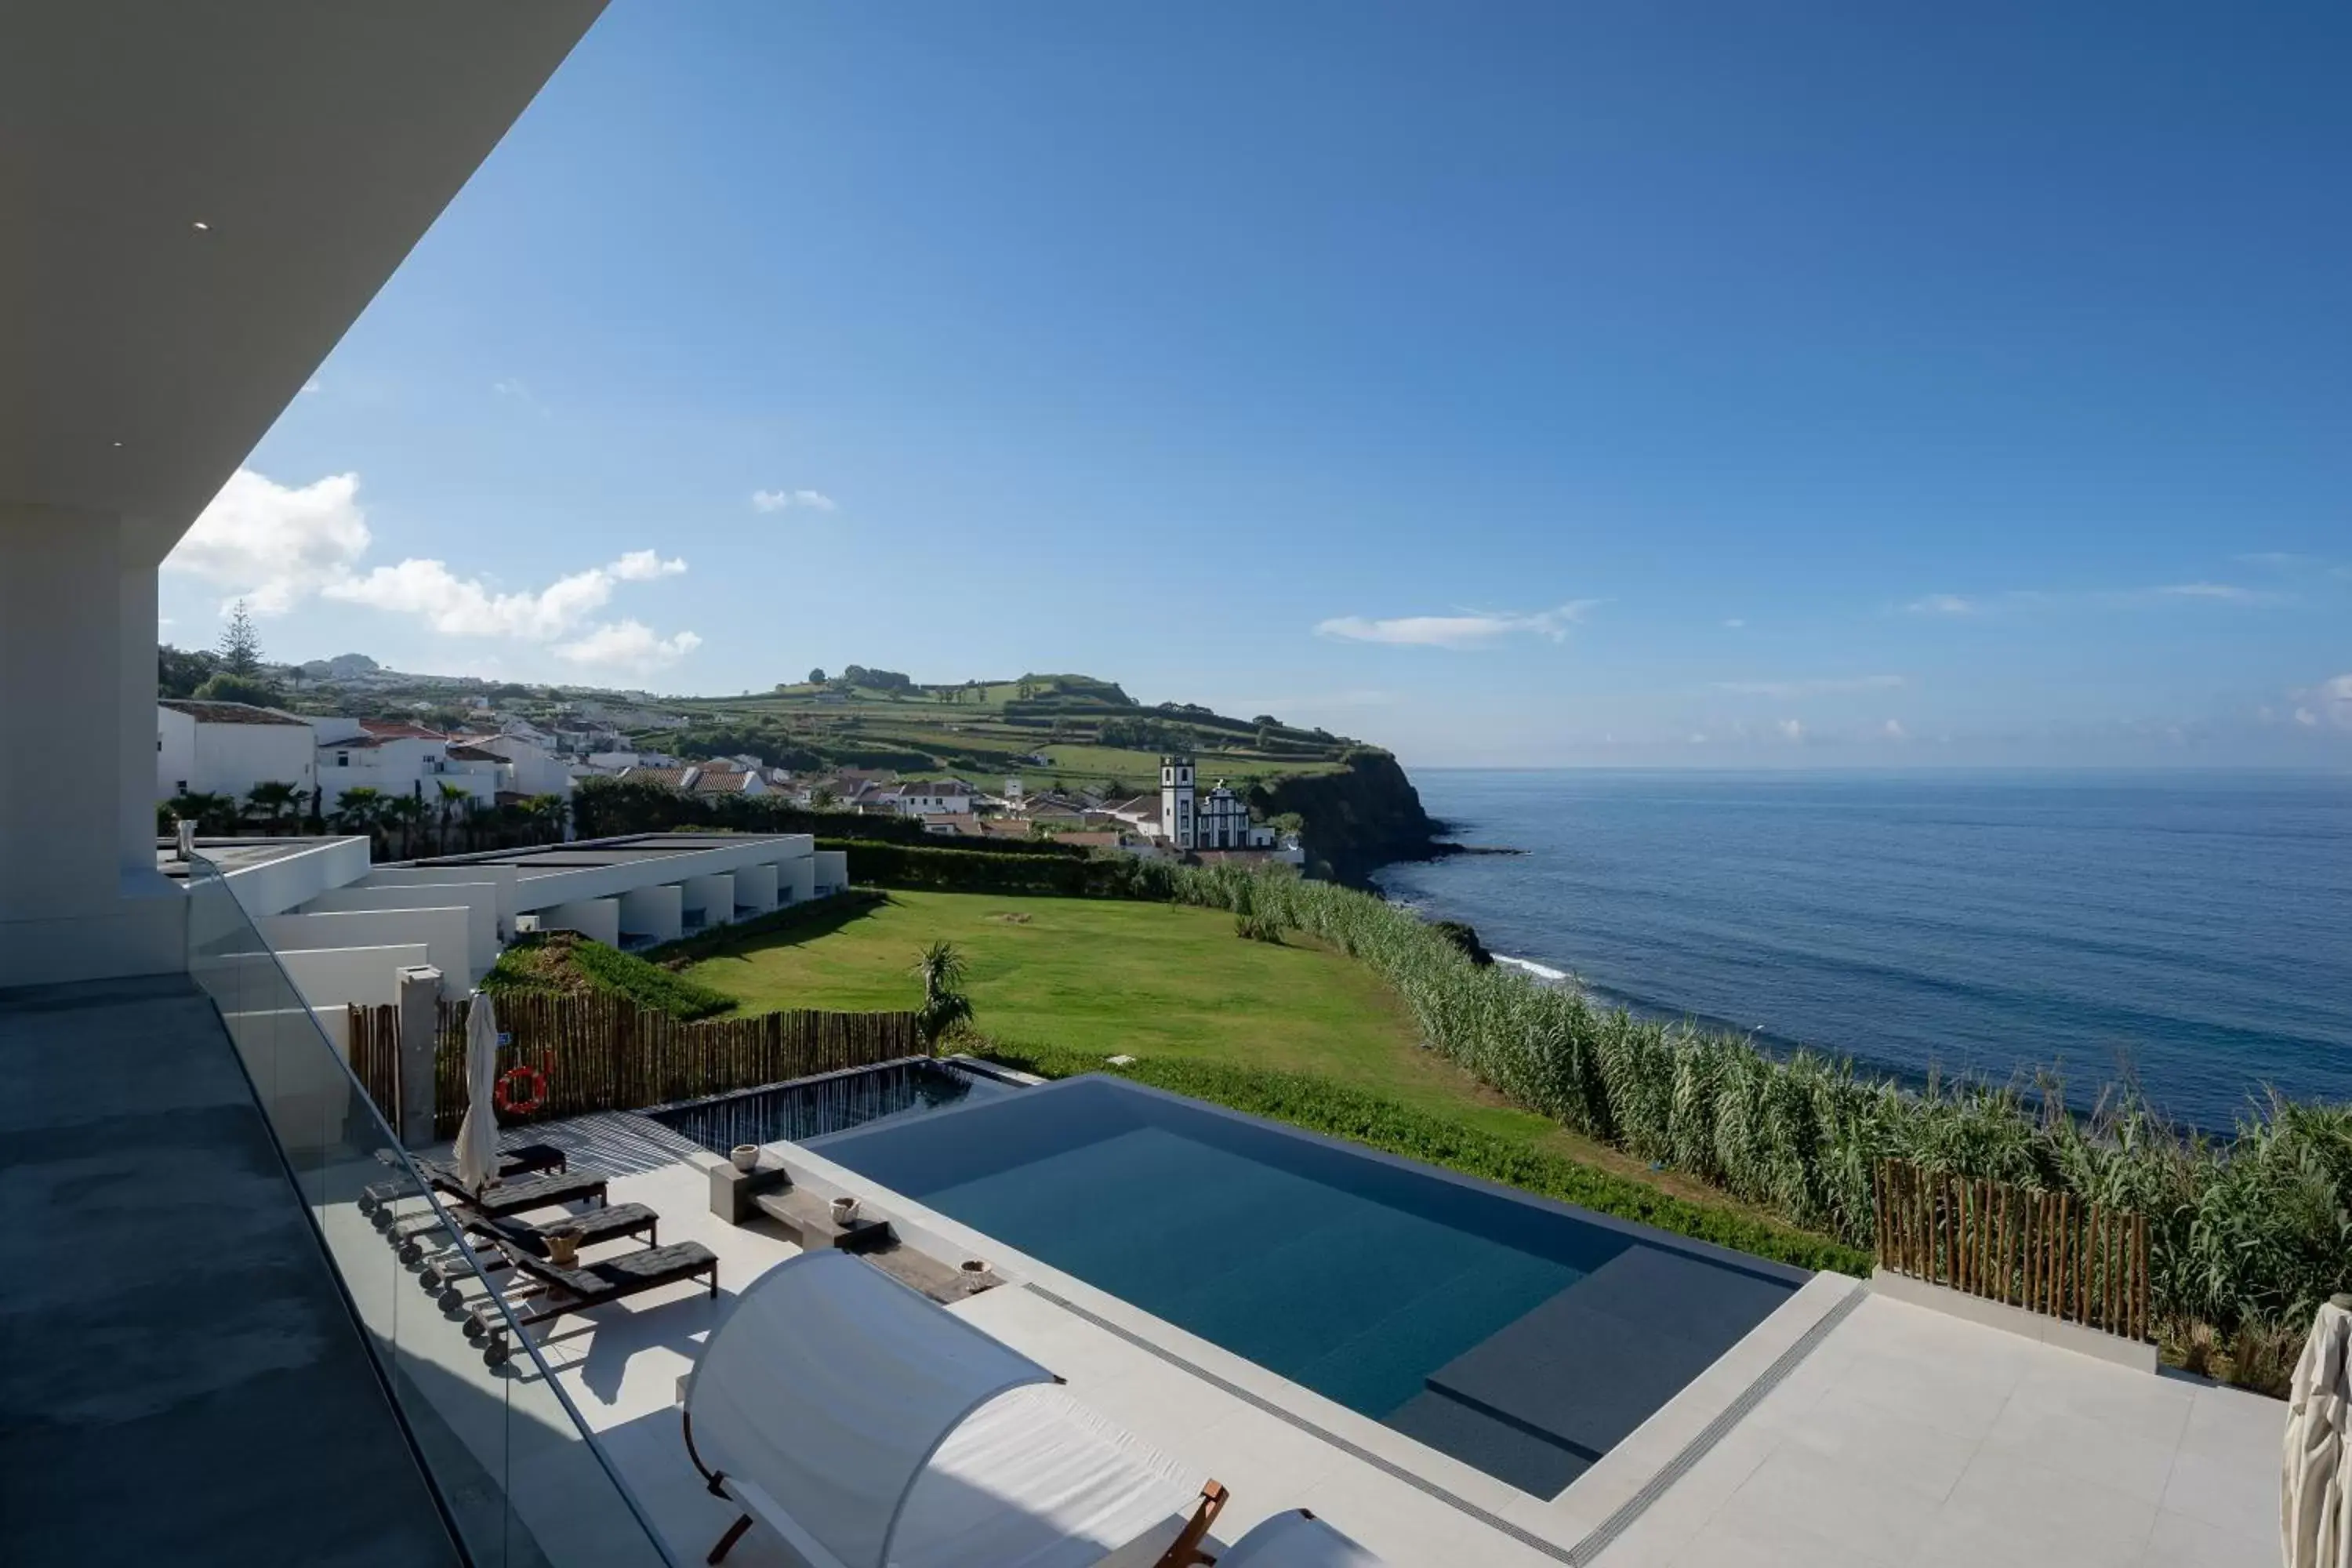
(227, 748)
(395, 758)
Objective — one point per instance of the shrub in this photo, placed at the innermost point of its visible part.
(1320, 1106)
(565, 964)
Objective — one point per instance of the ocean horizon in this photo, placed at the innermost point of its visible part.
(2178, 928)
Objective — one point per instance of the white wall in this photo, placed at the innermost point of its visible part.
(79, 894)
(175, 751)
(832, 871)
(230, 759)
(538, 891)
(656, 913)
(446, 933)
(278, 885)
(712, 897)
(599, 919)
(755, 888)
(333, 977)
(480, 900)
(502, 877)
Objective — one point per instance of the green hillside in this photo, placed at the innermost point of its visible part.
(1088, 732)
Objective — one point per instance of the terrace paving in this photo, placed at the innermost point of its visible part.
(1904, 1437)
(179, 1380)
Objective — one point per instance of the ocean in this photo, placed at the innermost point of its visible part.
(2190, 931)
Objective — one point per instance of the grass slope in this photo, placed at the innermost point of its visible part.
(564, 964)
(1074, 980)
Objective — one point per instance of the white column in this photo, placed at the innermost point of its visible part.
(79, 895)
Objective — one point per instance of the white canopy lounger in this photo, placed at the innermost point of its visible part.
(870, 1427)
(1296, 1540)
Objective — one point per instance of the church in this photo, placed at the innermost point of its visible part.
(1219, 820)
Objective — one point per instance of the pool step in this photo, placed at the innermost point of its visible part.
(1581, 1370)
(1537, 1463)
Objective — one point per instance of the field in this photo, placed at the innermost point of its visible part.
(1090, 731)
(1155, 981)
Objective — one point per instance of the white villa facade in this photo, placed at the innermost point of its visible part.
(396, 759)
(227, 748)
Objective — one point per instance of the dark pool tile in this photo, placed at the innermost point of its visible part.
(1584, 1377)
(1674, 1293)
(1505, 1452)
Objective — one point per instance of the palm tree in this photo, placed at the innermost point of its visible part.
(361, 810)
(450, 800)
(214, 815)
(823, 798)
(548, 814)
(941, 968)
(273, 800)
(409, 814)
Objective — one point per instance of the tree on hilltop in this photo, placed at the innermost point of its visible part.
(240, 645)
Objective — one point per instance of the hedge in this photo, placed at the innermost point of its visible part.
(1320, 1106)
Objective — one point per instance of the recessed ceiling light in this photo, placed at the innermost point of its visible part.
(117, 443)
(202, 227)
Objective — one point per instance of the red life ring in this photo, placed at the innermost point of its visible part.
(511, 1095)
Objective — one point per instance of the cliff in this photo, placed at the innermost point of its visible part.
(1357, 820)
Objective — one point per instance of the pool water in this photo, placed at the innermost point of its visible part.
(1523, 1337)
(812, 1107)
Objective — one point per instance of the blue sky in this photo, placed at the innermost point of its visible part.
(1808, 384)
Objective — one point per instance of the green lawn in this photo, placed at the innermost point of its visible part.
(1155, 981)
(1106, 975)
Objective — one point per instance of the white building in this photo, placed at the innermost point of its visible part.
(534, 768)
(927, 797)
(227, 748)
(396, 759)
(1218, 820)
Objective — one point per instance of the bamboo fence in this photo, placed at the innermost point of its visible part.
(601, 1053)
(2048, 1252)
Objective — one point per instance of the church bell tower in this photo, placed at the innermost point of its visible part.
(1176, 801)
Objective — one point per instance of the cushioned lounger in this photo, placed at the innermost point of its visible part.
(607, 1224)
(507, 1199)
(555, 1291)
(524, 1160)
(867, 1426)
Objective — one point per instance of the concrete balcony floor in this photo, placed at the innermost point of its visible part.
(180, 1380)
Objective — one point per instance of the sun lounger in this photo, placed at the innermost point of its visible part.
(524, 1160)
(553, 1291)
(610, 1223)
(865, 1425)
(1296, 1540)
(501, 1202)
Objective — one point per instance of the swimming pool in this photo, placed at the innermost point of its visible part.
(1522, 1336)
(807, 1108)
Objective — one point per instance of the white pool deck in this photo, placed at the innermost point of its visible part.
(1901, 1436)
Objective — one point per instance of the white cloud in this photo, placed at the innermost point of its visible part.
(1472, 630)
(1789, 730)
(1892, 730)
(2329, 703)
(312, 384)
(644, 566)
(270, 544)
(1735, 623)
(780, 500)
(628, 645)
(1942, 604)
(273, 545)
(1786, 688)
(2228, 592)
